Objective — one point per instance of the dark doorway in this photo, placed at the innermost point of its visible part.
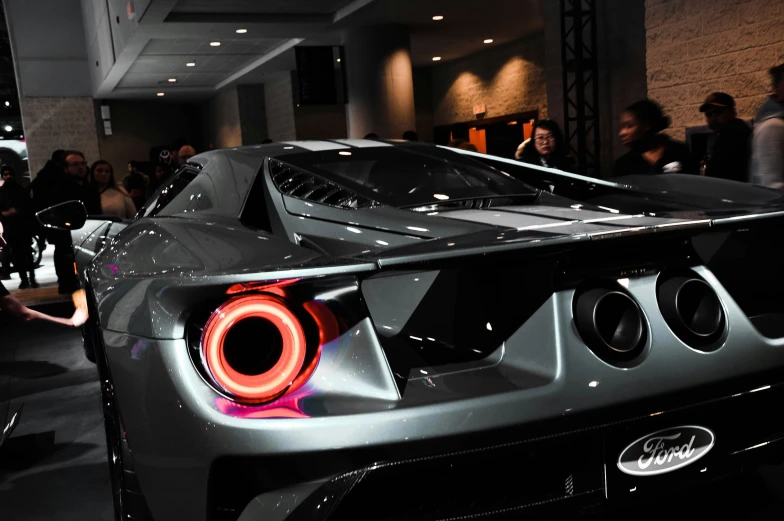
(496, 136)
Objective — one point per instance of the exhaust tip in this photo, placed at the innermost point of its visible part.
(610, 323)
(692, 310)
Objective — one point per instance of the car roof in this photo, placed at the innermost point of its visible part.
(282, 148)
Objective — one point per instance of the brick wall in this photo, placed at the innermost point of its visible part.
(58, 123)
(280, 109)
(506, 79)
(696, 47)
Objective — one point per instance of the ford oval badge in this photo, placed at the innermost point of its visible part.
(665, 451)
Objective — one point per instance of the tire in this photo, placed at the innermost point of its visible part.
(37, 253)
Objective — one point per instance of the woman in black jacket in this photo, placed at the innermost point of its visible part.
(547, 147)
(650, 151)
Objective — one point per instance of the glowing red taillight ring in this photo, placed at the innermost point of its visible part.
(270, 383)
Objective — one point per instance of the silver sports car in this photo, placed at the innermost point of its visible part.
(362, 330)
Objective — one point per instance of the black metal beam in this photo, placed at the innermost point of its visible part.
(580, 83)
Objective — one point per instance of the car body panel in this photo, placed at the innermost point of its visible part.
(151, 280)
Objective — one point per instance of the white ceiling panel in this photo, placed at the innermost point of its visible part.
(181, 32)
(260, 6)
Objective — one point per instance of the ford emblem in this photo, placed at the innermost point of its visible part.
(665, 451)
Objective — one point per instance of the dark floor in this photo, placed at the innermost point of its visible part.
(54, 466)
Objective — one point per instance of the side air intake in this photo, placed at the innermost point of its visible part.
(300, 184)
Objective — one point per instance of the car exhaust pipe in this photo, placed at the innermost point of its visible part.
(611, 323)
(692, 310)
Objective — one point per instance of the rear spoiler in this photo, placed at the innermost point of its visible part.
(494, 242)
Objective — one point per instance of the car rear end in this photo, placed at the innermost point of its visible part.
(440, 382)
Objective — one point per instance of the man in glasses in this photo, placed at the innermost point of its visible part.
(731, 151)
(74, 186)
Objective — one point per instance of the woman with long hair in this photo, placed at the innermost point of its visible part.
(651, 151)
(547, 147)
(115, 201)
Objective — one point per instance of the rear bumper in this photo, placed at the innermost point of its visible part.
(566, 467)
(549, 395)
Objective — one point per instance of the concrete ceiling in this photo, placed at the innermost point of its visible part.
(138, 46)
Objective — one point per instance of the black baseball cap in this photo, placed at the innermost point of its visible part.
(718, 99)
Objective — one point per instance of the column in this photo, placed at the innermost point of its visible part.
(379, 81)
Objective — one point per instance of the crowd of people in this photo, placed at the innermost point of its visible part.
(739, 152)
(66, 177)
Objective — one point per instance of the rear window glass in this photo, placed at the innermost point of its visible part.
(407, 176)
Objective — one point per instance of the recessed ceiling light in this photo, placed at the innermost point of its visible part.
(242, 31)
(8, 103)
(344, 153)
(436, 58)
(338, 60)
(172, 80)
(190, 64)
(160, 94)
(214, 44)
(489, 40)
(438, 18)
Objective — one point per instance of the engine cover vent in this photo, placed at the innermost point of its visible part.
(306, 186)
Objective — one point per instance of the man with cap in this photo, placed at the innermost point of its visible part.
(731, 152)
(767, 162)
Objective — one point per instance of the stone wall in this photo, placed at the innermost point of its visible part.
(58, 123)
(279, 98)
(506, 79)
(696, 47)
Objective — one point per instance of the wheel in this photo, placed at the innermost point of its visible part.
(37, 253)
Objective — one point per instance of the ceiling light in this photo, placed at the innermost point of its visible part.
(441, 197)
(344, 153)
(190, 64)
(214, 44)
(436, 58)
(438, 18)
(8, 103)
(338, 60)
(489, 40)
(172, 80)
(8, 128)
(242, 31)
(160, 94)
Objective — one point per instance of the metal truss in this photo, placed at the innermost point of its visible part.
(580, 83)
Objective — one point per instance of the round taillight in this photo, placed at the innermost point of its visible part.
(254, 347)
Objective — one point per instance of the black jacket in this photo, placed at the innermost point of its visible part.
(14, 195)
(676, 159)
(731, 153)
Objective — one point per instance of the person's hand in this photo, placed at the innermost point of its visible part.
(79, 317)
